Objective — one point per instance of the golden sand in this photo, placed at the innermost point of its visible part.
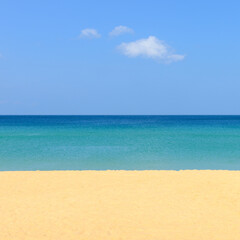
(127, 205)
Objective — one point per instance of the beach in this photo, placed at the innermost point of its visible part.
(133, 205)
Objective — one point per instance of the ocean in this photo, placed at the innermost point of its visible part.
(119, 142)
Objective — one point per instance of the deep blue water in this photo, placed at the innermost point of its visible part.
(119, 142)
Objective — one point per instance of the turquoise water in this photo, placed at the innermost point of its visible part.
(119, 142)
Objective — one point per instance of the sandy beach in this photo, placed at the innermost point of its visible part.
(132, 205)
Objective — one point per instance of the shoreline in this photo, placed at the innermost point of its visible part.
(126, 170)
(120, 204)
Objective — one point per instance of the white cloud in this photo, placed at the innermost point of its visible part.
(150, 47)
(89, 33)
(119, 30)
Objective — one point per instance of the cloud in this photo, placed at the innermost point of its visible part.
(89, 33)
(150, 47)
(119, 30)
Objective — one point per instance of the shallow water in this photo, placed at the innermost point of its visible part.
(119, 142)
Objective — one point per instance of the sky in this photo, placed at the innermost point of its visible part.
(119, 57)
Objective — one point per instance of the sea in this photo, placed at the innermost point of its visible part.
(119, 142)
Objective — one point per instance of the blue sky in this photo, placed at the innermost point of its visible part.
(164, 57)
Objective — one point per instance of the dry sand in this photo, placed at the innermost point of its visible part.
(103, 205)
